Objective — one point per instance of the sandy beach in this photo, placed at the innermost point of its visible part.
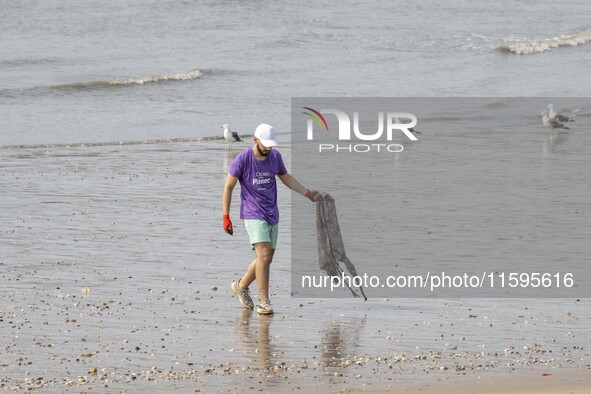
(115, 277)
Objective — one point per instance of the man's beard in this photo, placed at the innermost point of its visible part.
(263, 153)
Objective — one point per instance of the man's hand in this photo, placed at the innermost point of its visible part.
(228, 225)
(313, 195)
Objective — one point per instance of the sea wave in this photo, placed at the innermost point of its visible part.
(21, 61)
(110, 143)
(183, 76)
(527, 48)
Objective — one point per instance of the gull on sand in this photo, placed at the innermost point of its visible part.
(552, 123)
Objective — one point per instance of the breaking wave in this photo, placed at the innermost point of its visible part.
(184, 76)
(111, 143)
(527, 48)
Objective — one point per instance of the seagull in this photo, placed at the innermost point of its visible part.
(554, 115)
(552, 123)
(230, 136)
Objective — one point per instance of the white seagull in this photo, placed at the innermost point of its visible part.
(555, 115)
(552, 123)
(230, 136)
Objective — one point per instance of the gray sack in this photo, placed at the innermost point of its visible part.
(331, 249)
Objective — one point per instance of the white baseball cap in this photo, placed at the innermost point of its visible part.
(266, 134)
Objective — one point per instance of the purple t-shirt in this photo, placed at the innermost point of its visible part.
(258, 187)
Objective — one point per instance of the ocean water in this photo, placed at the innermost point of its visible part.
(74, 72)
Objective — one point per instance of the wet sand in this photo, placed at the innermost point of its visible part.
(557, 382)
(115, 277)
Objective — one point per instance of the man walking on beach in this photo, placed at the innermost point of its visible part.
(256, 169)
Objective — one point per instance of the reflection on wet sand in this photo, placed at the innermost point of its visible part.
(264, 344)
(339, 340)
(258, 337)
(229, 158)
(553, 139)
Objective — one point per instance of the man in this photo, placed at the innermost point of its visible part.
(256, 169)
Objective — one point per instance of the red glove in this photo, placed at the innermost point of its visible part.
(313, 196)
(228, 225)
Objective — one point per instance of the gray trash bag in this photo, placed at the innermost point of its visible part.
(331, 250)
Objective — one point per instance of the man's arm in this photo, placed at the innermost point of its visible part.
(227, 195)
(226, 201)
(292, 183)
(297, 187)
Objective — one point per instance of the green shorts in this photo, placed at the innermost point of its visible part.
(261, 231)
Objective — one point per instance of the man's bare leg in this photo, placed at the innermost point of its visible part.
(259, 269)
(249, 275)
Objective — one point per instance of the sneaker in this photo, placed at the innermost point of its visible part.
(242, 294)
(265, 308)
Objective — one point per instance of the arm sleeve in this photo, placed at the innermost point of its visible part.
(236, 167)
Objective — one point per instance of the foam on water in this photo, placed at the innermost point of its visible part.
(183, 76)
(528, 48)
(111, 143)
